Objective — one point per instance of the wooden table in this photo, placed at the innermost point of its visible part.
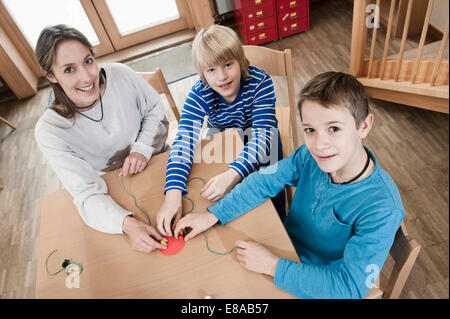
(112, 269)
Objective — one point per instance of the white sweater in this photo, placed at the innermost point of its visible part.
(77, 148)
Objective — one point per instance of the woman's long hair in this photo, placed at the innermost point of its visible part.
(45, 52)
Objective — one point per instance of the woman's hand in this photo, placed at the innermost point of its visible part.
(219, 185)
(255, 257)
(134, 163)
(143, 237)
(198, 222)
(170, 212)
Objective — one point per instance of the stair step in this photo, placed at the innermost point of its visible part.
(430, 51)
(438, 91)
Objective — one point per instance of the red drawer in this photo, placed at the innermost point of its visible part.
(258, 12)
(292, 27)
(261, 25)
(290, 4)
(284, 16)
(262, 37)
(254, 4)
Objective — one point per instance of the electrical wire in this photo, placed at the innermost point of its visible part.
(64, 267)
(184, 214)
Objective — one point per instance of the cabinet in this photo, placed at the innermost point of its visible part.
(292, 16)
(256, 20)
(261, 21)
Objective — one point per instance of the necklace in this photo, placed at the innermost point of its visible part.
(101, 118)
(85, 107)
(360, 174)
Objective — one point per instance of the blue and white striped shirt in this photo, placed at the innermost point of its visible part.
(253, 107)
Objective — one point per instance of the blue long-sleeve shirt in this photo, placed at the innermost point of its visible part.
(253, 107)
(342, 233)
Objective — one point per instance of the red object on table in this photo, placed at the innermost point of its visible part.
(262, 21)
(174, 245)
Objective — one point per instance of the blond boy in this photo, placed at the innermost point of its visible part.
(231, 94)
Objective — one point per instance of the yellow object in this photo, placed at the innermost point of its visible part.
(163, 242)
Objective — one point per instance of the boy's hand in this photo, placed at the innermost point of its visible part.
(198, 222)
(255, 257)
(143, 237)
(219, 185)
(134, 163)
(171, 210)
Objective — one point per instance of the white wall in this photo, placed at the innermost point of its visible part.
(224, 6)
(439, 15)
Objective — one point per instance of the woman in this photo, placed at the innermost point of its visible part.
(100, 120)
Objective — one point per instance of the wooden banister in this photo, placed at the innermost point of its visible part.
(439, 57)
(388, 37)
(414, 77)
(422, 40)
(404, 36)
(359, 36)
(374, 39)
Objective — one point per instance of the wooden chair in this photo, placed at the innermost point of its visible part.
(158, 82)
(7, 123)
(279, 63)
(404, 252)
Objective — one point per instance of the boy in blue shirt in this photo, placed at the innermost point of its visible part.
(345, 211)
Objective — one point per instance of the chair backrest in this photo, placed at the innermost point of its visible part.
(404, 252)
(158, 82)
(278, 63)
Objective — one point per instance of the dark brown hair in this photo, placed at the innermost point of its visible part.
(337, 89)
(45, 53)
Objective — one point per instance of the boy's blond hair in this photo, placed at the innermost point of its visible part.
(217, 44)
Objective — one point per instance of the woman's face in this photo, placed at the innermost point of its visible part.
(76, 71)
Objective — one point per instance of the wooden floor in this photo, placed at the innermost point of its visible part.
(410, 143)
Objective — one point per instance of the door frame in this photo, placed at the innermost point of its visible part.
(124, 41)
